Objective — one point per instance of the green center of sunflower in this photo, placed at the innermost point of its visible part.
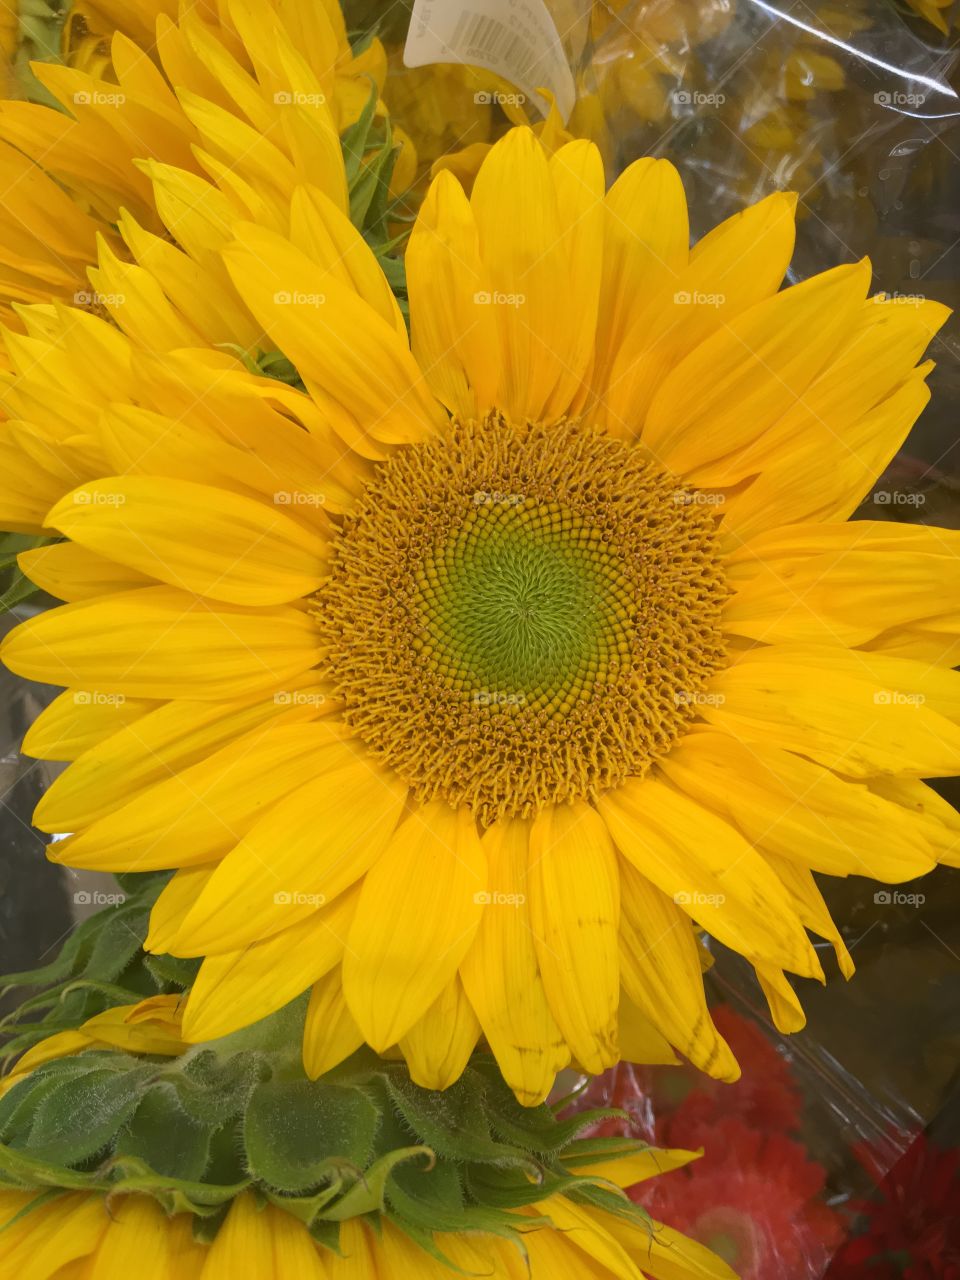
(522, 616)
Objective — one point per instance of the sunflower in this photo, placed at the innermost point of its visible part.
(78, 1235)
(226, 1161)
(149, 92)
(466, 722)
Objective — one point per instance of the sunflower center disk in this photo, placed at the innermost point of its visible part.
(517, 617)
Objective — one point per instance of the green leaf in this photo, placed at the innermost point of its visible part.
(292, 1129)
(165, 1137)
(172, 971)
(214, 1091)
(354, 139)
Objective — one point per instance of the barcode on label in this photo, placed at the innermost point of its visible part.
(478, 37)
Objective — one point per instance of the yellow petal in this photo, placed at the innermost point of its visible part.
(740, 263)
(438, 1047)
(307, 849)
(515, 205)
(197, 537)
(846, 583)
(639, 1039)
(738, 382)
(709, 870)
(357, 364)
(241, 987)
(811, 908)
(176, 898)
(54, 1235)
(244, 1244)
(152, 747)
(330, 1034)
(164, 643)
(938, 818)
(71, 572)
(79, 719)
(502, 976)
(785, 1008)
(661, 974)
(201, 812)
(575, 914)
(420, 907)
(137, 1241)
(665, 1254)
(845, 719)
(627, 1171)
(798, 810)
(453, 331)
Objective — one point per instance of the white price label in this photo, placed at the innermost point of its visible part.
(516, 39)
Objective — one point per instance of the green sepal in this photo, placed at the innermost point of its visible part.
(163, 1134)
(288, 1122)
(176, 1195)
(368, 1195)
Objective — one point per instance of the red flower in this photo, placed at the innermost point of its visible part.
(754, 1199)
(911, 1222)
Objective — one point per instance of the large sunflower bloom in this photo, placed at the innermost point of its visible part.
(591, 654)
(79, 1235)
(199, 94)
